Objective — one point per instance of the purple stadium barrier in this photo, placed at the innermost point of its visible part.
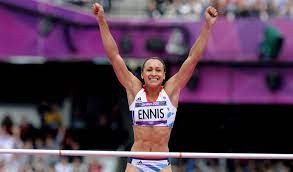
(19, 32)
(74, 36)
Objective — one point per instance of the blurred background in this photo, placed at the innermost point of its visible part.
(59, 91)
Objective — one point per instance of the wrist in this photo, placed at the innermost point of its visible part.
(208, 26)
(101, 18)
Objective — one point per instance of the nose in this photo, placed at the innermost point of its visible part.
(153, 73)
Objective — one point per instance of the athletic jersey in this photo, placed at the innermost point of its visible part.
(158, 113)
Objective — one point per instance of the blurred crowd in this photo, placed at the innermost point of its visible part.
(82, 3)
(25, 136)
(52, 135)
(224, 165)
(194, 9)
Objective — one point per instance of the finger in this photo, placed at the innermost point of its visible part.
(93, 9)
(213, 12)
(212, 9)
(99, 6)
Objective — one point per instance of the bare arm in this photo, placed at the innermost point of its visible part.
(181, 78)
(125, 77)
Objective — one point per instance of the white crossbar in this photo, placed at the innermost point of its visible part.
(146, 154)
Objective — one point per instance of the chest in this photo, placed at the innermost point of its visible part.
(151, 111)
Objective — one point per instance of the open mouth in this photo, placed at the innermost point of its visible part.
(154, 79)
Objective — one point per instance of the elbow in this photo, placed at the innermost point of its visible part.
(193, 58)
(196, 53)
(111, 50)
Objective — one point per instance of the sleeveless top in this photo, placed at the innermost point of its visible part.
(158, 113)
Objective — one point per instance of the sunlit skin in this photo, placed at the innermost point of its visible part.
(153, 138)
(153, 75)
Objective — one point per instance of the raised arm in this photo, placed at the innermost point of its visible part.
(126, 78)
(180, 79)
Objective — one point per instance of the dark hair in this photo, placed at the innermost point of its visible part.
(155, 58)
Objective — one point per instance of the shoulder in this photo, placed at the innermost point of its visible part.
(173, 94)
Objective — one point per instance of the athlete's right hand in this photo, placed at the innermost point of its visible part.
(98, 10)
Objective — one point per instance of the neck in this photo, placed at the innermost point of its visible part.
(152, 93)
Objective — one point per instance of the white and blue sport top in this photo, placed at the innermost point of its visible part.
(158, 113)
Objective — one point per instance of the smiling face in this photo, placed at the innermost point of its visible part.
(153, 73)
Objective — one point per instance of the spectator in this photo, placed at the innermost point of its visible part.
(53, 118)
(78, 120)
(39, 143)
(78, 165)
(288, 10)
(94, 165)
(16, 133)
(42, 109)
(156, 8)
(52, 143)
(174, 9)
(63, 165)
(7, 141)
(7, 123)
(26, 129)
(197, 9)
(39, 163)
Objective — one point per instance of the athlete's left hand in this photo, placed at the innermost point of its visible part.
(211, 16)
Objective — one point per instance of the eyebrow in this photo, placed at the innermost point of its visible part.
(154, 67)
